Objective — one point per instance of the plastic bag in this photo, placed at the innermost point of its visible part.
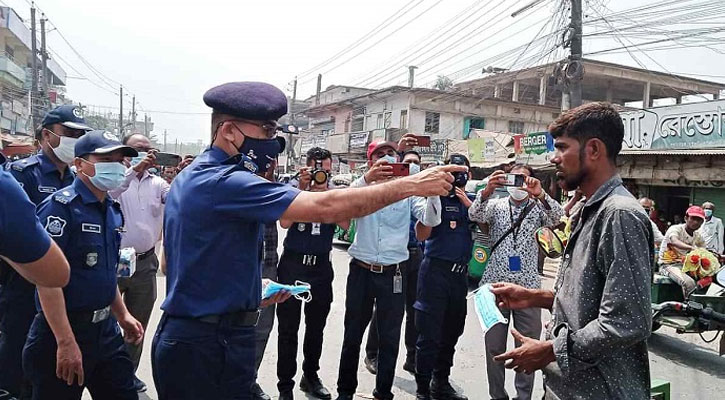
(300, 290)
(484, 302)
(126, 262)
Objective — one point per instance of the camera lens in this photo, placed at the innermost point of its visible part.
(319, 176)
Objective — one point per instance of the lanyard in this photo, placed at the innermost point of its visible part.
(515, 232)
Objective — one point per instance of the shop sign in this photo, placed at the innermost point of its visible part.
(436, 151)
(358, 141)
(534, 143)
(687, 126)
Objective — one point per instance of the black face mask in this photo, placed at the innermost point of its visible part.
(261, 152)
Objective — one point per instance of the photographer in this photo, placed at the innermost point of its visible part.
(513, 221)
(306, 258)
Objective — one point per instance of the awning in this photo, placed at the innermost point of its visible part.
(683, 152)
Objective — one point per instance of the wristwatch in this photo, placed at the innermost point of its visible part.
(542, 196)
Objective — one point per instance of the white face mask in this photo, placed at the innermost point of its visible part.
(517, 194)
(66, 149)
(414, 168)
(390, 159)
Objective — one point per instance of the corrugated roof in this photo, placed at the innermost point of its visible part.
(683, 152)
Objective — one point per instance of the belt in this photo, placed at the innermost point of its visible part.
(93, 317)
(457, 268)
(237, 318)
(145, 254)
(376, 268)
(309, 260)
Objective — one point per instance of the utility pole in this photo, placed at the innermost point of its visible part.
(319, 89)
(292, 105)
(575, 87)
(34, 66)
(44, 56)
(164, 139)
(290, 142)
(146, 125)
(133, 114)
(411, 75)
(120, 115)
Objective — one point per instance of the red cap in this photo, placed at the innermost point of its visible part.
(695, 211)
(372, 147)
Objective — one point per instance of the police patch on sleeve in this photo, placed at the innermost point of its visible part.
(54, 226)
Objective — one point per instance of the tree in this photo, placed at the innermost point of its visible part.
(443, 83)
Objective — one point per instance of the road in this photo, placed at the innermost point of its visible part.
(692, 366)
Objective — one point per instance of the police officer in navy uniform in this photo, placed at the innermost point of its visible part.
(306, 258)
(442, 289)
(204, 345)
(39, 175)
(75, 340)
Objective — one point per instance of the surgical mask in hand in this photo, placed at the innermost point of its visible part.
(708, 213)
(487, 311)
(517, 194)
(66, 149)
(414, 168)
(301, 291)
(139, 158)
(109, 176)
(390, 159)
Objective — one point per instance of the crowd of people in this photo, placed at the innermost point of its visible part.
(71, 318)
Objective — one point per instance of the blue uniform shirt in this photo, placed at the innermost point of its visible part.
(39, 177)
(451, 240)
(88, 232)
(310, 238)
(22, 238)
(213, 236)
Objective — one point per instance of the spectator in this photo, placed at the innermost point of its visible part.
(649, 208)
(679, 240)
(142, 197)
(513, 222)
(712, 229)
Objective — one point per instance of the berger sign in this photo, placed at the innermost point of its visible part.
(687, 126)
(534, 143)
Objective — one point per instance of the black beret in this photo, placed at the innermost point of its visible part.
(256, 101)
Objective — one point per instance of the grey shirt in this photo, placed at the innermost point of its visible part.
(601, 313)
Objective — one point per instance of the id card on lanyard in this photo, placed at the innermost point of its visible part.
(515, 259)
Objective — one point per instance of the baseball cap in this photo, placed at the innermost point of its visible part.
(67, 115)
(695, 211)
(101, 142)
(372, 147)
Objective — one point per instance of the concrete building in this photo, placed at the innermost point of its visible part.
(603, 81)
(16, 78)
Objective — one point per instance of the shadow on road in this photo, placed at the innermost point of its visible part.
(687, 354)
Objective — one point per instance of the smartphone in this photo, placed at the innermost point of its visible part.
(423, 141)
(167, 159)
(400, 169)
(514, 180)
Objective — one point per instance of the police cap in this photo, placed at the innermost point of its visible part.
(256, 101)
(67, 115)
(101, 142)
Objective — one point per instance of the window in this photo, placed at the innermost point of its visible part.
(404, 119)
(10, 51)
(478, 123)
(357, 125)
(516, 127)
(432, 122)
(379, 123)
(387, 119)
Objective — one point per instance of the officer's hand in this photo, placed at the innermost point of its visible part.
(380, 171)
(407, 142)
(304, 179)
(69, 362)
(132, 329)
(463, 197)
(436, 181)
(512, 296)
(279, 297)
(147, 162)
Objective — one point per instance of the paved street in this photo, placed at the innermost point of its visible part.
(693, 367)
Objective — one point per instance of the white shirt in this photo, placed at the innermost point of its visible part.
(142, 202)
(712, 233)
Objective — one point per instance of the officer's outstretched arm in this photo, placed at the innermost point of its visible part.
(344, 204)
(51, 270)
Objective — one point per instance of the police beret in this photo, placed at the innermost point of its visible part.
(250, 100)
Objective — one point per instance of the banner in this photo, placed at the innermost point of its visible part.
(358, 141)
(534, 143)
(436, 151)
(687, 126)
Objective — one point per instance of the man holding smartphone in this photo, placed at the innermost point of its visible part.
(514, 258)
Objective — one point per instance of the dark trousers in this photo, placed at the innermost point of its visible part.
(17, 310)
(410, 276)
(289, 314)
(198, 360)
(440, 317)
(139, 295)
(107, 369)
(364, 289)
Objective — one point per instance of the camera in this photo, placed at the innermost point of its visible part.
(318, 174)
(459, 178)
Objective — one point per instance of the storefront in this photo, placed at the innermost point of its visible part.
(676, 156)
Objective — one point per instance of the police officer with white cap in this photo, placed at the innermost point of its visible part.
(204, 345)
(75, 340)
(40, 175)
